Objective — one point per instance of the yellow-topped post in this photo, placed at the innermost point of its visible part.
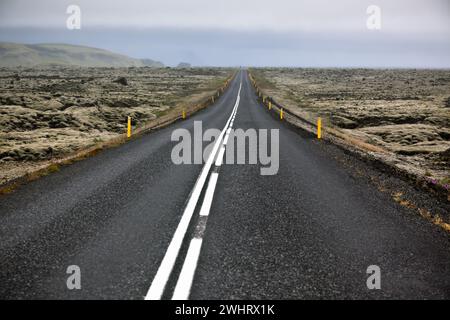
(319, 128)
(281, 114)
(129, 127)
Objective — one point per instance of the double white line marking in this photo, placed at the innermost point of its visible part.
(184, 283)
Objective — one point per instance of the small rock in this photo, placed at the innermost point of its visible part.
(447, 103)
(445, 155)
(121, 80)
(52, 105)
(343, 122)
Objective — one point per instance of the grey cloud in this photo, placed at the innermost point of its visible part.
(415, 33)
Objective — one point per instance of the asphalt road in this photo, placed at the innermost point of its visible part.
(308, 232)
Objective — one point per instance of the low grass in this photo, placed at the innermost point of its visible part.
(8, 189)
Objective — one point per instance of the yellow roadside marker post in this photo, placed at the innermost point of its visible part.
(184, 114)
(129, 127)
(319, 128)
(270, 105)
(281, 114)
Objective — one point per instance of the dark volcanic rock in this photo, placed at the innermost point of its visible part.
(447, 103)
(121, 80)
(445, 155)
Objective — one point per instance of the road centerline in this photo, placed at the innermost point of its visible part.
(206, 206)
(184, 283)
(161, 278)
(186, 277)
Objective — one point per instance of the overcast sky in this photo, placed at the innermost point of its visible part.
(414, 33)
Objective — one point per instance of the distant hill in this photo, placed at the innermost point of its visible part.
(184, 65)
(30, 55)
(152, 63)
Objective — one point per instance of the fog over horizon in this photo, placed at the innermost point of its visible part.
(413, 33)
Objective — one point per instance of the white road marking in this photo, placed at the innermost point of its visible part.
(158, 285)
(184, 284)
(219, 158)
(226, 139)
(206, 205)
(186, 277)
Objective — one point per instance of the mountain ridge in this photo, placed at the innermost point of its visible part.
(48, 54)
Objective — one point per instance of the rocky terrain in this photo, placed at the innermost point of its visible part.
(404, 111)
(50, 112)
